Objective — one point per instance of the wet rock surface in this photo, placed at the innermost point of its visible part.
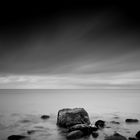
(69, 117)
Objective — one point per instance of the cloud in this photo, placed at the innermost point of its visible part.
(70, 81)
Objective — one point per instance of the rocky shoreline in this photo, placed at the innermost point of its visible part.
(76, 124)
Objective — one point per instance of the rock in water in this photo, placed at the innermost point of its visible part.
(45, 117)
(69, 117)
(114, 122)
(16, 137)
(75, 134)
(138, 135)
(116, 136)
(131, 120)
(100, 124)
(95, 134)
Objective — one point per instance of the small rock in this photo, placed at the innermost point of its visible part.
(31, 131)
(116, 117)
(68, 117)
(131, 138)
(138, 135)
(116, 136)
(75, 134)
(16, 137)
(95, 135)
(25, 121)
(114, 122)
(131, 120)
(100, 124)
(45, 117)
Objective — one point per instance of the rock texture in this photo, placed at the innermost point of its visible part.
(69, 117)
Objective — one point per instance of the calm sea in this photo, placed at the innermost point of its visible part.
(20, 111)
(50, 101)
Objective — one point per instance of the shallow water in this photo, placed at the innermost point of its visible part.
(20, 111)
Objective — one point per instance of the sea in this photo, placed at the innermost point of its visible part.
(21, 110)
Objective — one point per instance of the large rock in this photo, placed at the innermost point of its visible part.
(69, 117)
(116, 136)
(75, 134)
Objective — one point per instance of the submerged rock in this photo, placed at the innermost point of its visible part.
(131, 120)
(75, 134)
(31, 132)
(100, 124)
(93, 128)
(68, 117)
(138, 135)
(16, 137)
(114, 122)
(45, 117)
(116, 136)
(95, 134)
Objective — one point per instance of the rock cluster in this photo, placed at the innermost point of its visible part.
(77, 122)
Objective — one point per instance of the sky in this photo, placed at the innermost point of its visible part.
(78, 45)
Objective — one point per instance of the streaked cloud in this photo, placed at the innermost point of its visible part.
(70, 81)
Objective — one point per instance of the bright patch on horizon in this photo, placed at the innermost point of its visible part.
(71, 81)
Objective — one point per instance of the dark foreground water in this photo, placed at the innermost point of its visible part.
(20, 111)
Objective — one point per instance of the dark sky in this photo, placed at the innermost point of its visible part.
(71, 38)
